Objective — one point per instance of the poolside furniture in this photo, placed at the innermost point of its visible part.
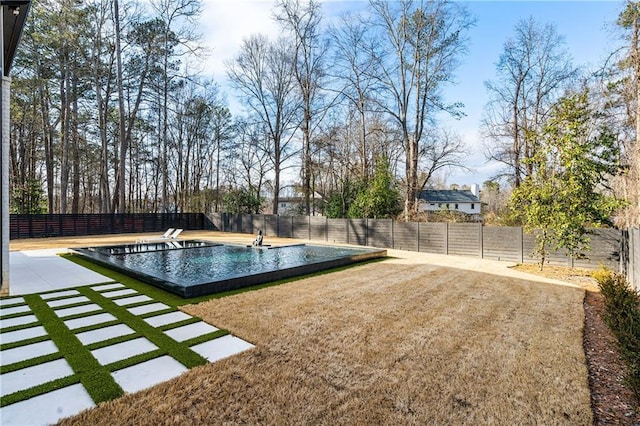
(166, 236)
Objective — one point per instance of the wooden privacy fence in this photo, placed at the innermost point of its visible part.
(618, 250)
(66, 225)
(464, 239)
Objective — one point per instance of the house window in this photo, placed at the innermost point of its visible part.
(456, 206)
(283, 205)
(433, 204)
(473, 206)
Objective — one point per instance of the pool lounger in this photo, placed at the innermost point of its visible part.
(166, 236)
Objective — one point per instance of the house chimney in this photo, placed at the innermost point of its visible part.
(475, 190)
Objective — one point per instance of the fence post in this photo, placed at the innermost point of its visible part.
(481, 241)
(446, 238)
(418, 234)
(366, 231)
(522, 245)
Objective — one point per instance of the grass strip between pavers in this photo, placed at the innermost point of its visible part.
(96, 379)
(205, 337)
(177, 350)
(113, 341)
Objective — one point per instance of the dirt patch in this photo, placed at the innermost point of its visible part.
(393, 342)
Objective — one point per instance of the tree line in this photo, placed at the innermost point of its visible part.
(112, 112)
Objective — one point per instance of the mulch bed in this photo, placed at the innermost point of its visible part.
(612, 402)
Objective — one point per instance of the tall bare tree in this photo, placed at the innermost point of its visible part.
(622, 90)
(419, 50)
(178, 18)
(263, 72)
(533, 71)
(353, 71)
(302, 21)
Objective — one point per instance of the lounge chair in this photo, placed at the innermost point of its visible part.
(166, 236)
(175, 234)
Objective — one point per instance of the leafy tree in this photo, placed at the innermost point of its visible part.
(339, 202)
(562, 196)
(242, 200)
(28, 198)
(381, 198)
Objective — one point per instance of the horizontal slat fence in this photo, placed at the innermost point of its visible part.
(502, 243)
(70, 225)
(463, 239)
(618, 250)
(433, 237)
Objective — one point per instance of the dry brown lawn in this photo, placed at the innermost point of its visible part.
(400, 341)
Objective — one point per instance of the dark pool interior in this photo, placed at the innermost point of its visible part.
(191, 268)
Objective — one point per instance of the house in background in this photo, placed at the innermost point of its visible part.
(294, 205)
(465, 201)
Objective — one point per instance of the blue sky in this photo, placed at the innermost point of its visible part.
(588, 28)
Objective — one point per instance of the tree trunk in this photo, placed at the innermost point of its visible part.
(122, 163)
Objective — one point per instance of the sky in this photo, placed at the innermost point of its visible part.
(587, 26)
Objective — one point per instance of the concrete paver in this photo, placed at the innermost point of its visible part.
(21, 320)
(14, 310)
(107, 287)
(65, 302)
(47, 408)
(67, 312)
(21, 353)
(220, 348)
(123, 350)
(170, 318)
(29, 377)
(117, 293)
(147, 374)
(23, 334)
(59, 294)
(132, 300)
(44, 271)
(11, 301)
(190, 331)
(90, 320)
(145, 309)
(106, 333)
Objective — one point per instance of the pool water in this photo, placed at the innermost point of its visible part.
(193, 268)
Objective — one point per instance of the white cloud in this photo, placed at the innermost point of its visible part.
(225, 23)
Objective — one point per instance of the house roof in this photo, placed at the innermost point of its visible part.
(14, 15)
(448, 196)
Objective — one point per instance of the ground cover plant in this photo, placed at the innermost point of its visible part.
(399, 341)
(623, 317)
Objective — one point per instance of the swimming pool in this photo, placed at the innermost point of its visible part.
(193, 268)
